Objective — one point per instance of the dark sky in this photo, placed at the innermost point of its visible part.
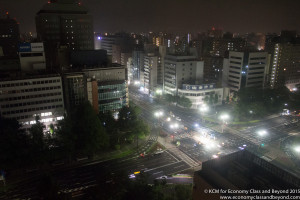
(174, 15)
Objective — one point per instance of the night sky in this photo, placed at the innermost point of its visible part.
(174, 15)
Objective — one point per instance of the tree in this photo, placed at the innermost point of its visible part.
(81, 132)
(206, 99)
(216, 99)
(37, 142)
(14, 144)
(185, 102)
(90, 133)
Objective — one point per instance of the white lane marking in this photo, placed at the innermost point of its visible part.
(172, 156)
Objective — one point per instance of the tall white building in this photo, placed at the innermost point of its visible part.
(24, 98)
(150, 72)
(179, 70)
(245, 69)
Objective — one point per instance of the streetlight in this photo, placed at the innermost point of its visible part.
(262, 132)
(203, 109)
(297, 149)
(224, 117)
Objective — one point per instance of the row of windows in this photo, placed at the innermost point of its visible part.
(257, 77)
(257, 63)
(232, 81)
(31, 96)
(30, 103)
(234, 72)
(235, 62)
(31, 109)
(234, 77)
(254, 68)
(250, 73)
(236, 57)
(111, 95)
(30, 54)
(234, 67)
(258, 58)
(29, 83)
(29, 90)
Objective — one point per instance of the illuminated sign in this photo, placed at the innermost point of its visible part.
(198, 87)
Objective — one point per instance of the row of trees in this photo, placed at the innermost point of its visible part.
(180, 100)
(81, 132)
(256, 103)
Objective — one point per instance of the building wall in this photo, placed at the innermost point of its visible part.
(197, 97)
(150, 73)
(285, 65)
(245, 69)
(179, 70)
(24, 98)
(33, 58)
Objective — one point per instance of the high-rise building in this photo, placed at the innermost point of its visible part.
(107, 88)
(181, 69)
(9, 36)
(138, 64)
(67, 23)
(285, 67)
(245, 69)
(213, 67)
(150, 73)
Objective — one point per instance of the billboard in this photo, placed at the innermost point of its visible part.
(31, 47)
(24, 47)
(198, 87)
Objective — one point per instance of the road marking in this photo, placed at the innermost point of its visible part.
(162, 166)
(157, 172)
(172, 156)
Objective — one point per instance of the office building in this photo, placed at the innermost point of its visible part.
(138, 64)
(24, 97)
(9, 36)
(181, 69)
(32, 56)
(245, 69)
(197, 94)
(150, 73)
(67, 23)
(285, 67)
(107, 88)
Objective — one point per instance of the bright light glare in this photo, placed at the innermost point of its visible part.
(173, 126)
(196, 125)
(136, 82)
(262, 132)
(297, 149)
(224, 116)
(158, 114)
(215, 156)
(168, 119)
(204, 108)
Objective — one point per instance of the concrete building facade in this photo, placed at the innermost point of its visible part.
(181, 69)
(25, 97)
(245, 69)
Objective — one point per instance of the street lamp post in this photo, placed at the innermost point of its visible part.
(223, 118)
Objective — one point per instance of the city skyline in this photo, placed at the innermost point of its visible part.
(173, 16)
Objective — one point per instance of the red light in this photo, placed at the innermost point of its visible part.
(7, 13)
(49, 2)
(213, 28)
(79, 3)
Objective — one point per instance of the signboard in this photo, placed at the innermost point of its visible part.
(37, 47)
(198, 87)
(24, 47)
(31, 47)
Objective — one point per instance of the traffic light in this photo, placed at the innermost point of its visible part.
(262, 144)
